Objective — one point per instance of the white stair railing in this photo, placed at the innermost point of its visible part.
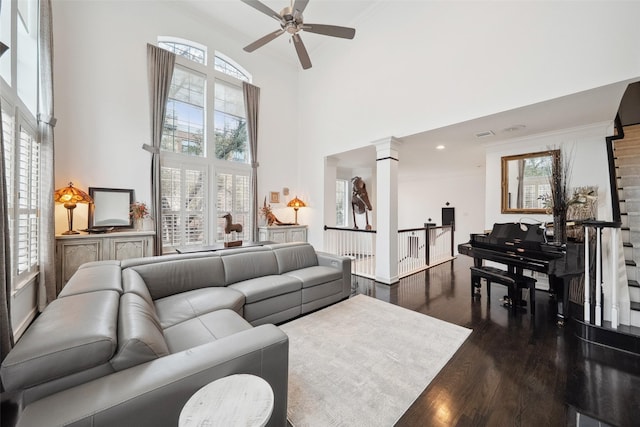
(418, 248)
(359, 245)
(599, 307)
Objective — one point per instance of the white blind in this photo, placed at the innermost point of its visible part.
(233, 196)
(28, 183)
(183, 206)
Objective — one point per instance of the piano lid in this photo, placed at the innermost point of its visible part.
(512, 232)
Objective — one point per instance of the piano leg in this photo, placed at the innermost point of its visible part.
(559, 287)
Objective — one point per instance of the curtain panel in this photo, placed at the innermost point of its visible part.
(160, 65)
(46, 121)
(252, 105)
(6, 331)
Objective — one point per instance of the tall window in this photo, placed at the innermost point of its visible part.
(18, 93)
(184, 120)
(342, 202)
(205, 159)
(233, 196)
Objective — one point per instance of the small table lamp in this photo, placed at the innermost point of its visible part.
(70, 196)
(296, 204)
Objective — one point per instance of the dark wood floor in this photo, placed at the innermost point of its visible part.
(511, 371)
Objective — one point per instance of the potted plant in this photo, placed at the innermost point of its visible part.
(138, 211)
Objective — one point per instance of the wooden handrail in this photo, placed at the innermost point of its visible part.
(355, 230)
(613, 180)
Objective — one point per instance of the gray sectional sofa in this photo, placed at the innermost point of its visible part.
(128, 342)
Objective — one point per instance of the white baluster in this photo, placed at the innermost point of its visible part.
(598, 276)
(587, 278)
(614, 278)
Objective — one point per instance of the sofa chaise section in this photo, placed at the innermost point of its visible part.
(128, 342)
(153, 393)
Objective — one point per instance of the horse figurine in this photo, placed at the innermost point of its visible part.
(229, 226)
(360, 201)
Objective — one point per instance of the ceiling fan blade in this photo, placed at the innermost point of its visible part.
(330, 30)
(300, 5)
(263, 8)
(263, 40)
(303, 56)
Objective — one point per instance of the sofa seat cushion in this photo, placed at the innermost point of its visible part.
(177, 308)
(73, 334)
(203, 329)
(314, 276)
(266, 287)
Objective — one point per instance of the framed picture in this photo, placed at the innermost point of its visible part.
(274, 197)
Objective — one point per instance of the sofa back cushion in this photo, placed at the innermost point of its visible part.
(71, 335)
(248, 265)
(181, 275)
(94, 276)
(134, 283)
(140, 337)
(294, 256)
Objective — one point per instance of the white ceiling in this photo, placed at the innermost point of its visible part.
(252, 24)
(464, 149)
(462, 146)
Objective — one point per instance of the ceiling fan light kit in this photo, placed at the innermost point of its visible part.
(292, 22)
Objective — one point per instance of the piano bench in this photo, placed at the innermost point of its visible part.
(513, 282)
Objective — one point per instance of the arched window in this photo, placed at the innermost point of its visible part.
(187, 49)
(226, 65)
(204, 147)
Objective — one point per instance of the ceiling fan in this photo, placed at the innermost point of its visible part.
(291, 21)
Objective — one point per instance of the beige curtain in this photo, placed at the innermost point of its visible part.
(6, 332)
(252, 105)
(46, 122)
(160, 65)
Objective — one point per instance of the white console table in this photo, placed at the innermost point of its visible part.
(75, 249)
(283, 233)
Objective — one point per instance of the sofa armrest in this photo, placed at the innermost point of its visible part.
(341, 262)
(154, 393)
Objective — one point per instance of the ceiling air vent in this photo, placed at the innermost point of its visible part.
(484, 134)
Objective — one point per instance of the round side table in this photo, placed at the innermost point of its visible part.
(236, 400)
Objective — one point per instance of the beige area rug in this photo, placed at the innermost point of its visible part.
(363, 362)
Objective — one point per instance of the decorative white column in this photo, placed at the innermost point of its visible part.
(330, 176)
(387, 157)
(587, 278)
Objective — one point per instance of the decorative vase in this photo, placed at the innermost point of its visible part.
(560, 226)
(138, 224)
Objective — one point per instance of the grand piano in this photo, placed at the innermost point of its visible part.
(520, 247)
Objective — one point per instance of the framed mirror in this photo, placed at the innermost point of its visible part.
(110, 208)
(526, 182)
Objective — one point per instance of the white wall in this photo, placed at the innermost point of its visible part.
(423, 195)
(590, 167)
(413, 66)
(416, 66)
(101, 100)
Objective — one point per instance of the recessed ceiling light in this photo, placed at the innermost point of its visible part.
(514, 128)
(440, 147)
